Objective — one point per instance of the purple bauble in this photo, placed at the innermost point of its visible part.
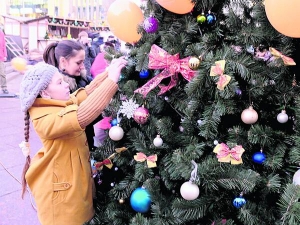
(141, 115)
(150, 25)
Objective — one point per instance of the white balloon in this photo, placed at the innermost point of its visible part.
(158, 141)
(189, 191)
(116, 133)
(282, 117)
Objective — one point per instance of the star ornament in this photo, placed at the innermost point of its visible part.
(128, 107)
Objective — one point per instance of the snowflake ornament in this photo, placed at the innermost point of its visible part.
(128, 107)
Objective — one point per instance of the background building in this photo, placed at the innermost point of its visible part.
(89, 10)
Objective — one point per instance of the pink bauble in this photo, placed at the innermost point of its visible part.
(141, 115)
(249, 116)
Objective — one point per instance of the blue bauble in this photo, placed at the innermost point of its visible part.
(259, 157)
(114, 122)
(144, 74)
(140, 200)
(238, 202)
(210, 18)
(121, 77)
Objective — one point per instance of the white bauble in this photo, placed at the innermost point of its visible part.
(282, 117)
(158, 141)
(189, 191)
(249, 116)
(296, 178)
(116, 133)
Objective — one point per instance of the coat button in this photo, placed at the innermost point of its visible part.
(66, 185)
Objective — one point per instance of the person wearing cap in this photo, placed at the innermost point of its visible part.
(90, 53)
(59, 175)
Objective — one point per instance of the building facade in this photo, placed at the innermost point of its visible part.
(88, 10)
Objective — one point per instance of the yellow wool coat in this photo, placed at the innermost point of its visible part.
(59, 176)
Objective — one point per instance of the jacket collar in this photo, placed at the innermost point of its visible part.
(42, 106)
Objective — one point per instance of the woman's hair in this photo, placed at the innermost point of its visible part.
(64, 48)
(28, 159)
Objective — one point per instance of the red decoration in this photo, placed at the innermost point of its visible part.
(172, 65)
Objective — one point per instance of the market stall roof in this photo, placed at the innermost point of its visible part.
(24, 20)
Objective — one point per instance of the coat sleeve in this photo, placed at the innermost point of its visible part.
(59, 124)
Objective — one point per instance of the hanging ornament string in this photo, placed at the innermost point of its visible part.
(284, 101)
(194, 177)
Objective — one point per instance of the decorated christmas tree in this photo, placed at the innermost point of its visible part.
(204, 128)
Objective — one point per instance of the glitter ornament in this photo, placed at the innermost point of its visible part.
(238, 202)
(114, 122)
(211, 18)
(259, 157)
(238, 91)
(140, 200)
(249, 116)
(121, 77)
(157, 141)
(201, 18)
(181, 129)
(116, 133)
(150, 25)
(141, 115)
(282, 117)
(194, 63)
(189, 191)
(144, 74)
(200, 122)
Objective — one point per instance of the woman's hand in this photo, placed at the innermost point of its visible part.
(114, 69)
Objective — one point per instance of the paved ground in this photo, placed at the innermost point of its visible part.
(14, 210)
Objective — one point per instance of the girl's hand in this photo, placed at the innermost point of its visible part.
(114, 69)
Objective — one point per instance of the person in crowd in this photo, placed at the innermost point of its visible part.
(90, 53)
(98, 67)
(59, 175)
(3, 58)
(68, 56)
(100, 62)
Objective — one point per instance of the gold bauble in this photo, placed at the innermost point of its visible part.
(194, 63)
(121, 201)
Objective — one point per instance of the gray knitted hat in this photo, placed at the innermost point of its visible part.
(34, 81)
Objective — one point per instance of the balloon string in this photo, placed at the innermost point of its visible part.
(194, 172)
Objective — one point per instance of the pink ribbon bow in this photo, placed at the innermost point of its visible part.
(218, 70)
(104, 124)
(151, 160)
(286, 60)
(172, 65)
(225, 154)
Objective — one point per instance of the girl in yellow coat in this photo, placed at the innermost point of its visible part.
(59, 175)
